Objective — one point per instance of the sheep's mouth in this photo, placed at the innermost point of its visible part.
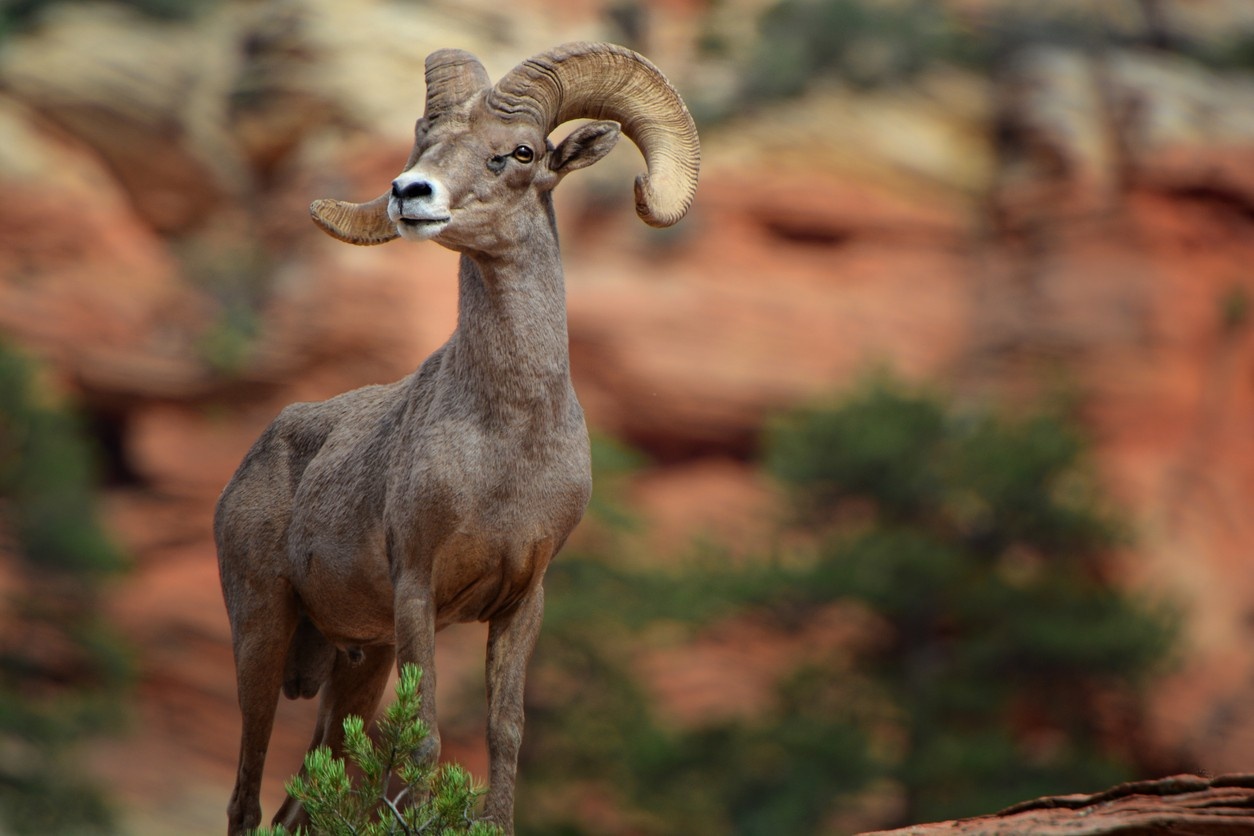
(420, 228)
(424, 223)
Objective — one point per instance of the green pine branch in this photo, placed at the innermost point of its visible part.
(396, 794)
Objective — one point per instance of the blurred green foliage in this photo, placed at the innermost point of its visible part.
(871, 43)
(866, 44)
(982, 542)
(16, 15)
(62, 669)
(46, 477)
(1233, 53)
(972, 545)
(233, 268)
(1234, 309)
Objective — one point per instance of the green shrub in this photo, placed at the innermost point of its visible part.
(395, 792)
(62, 670)
(981, 545)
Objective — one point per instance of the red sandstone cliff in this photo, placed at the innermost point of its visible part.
(1108, 239)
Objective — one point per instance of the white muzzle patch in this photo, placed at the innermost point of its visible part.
(418, 206)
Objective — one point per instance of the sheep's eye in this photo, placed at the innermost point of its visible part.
(524, 154)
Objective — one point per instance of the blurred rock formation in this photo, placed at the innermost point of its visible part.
(1081, 217)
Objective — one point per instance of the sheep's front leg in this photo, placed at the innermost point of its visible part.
(511, 638)
(415, 643)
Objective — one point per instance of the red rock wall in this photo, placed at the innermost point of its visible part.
(830, 235)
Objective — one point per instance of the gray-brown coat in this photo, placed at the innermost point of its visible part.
(357, 527)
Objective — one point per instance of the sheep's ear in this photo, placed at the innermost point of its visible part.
(586, 144)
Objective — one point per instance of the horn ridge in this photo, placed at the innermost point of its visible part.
(452, 76)
(606, 81)
(363, 224)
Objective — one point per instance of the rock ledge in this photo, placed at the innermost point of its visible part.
(1222, 806)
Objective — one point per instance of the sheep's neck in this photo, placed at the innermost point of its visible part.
(510, 354)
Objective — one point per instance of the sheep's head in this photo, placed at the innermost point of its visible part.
(482, 164)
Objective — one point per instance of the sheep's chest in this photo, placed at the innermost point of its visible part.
(490, 521)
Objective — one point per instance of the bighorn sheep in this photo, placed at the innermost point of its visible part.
(357, 527)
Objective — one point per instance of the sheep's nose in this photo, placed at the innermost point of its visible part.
(414, 188)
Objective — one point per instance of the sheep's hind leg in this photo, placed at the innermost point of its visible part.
(261, 634)
(355, 687)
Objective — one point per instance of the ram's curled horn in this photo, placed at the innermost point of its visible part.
(453, 76)
(604, 81)
(355, 223)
